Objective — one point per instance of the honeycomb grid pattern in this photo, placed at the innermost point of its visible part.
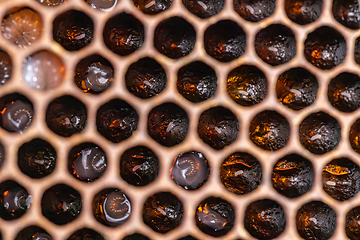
(213, 187)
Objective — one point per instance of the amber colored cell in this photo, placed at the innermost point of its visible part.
(225, 41)
(85, 234)
(51, 3)
(254, 10)
(174, 37)
(352, 225)
(136, 236)
(33, 233)
(247, 85)
(265, 219)
(152, 7)
(347, 12)
(354, 136)
(5, 67)
(319, 133)
(316, 220)
(357, 51)
(123, 34)
(162, 212)
(204, 8)
(303, 11)
(296, 88)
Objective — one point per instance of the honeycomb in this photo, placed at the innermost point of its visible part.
(205, 77)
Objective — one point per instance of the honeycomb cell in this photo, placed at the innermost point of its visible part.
(37, 158)
(61, 204)
(254, 10)
(344, 92)
(190, 170)
(33, 233)
(168, 124)
(85, 234)
(204, 9)
(352, 226)
(357, 51)
(293, 176)
(87, 162)
(316, 220)
(5, 67)
(2, 154)
(325, 48)
(269, 130)
(111, 207)
(139, 166)
(116, 120)
(347, 12)
(94, 74)
(320, 133)
(297, 88)
(247, 85)
(163, 212)
(215, 216)
(275, 44)
(174, 37)
(225, 41)
(136, 236)
(303, 11)
(51, 3)
(145, 78)
(14, 200)
(188, 238)
(22, 26)
(196, 82)
(123, 34)
(218, 127)
(152, 7)
(265, 219)
(66, 116)
(103, 5)
(354, 136)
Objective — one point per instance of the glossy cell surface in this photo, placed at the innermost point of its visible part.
(254, 10)
(139, 166)
(174, 37)
(5, 67)
(296, 88)
(152, 7)
(66, 116)
(316, 220)
(215, 216)
(111, 207)
(225, 41)
(51, 3)
(123, 34)
(204, 9)
(196, 81)
(293, 176)
(145, 78)
(85, 234)
(135, 236)
(246, 85)
(116, 120)
(61, 204)
(37, 158)
(354, 136)
(357, 51)
(352, 224)
(347, 12)
(303, 11)
(2, 154)
(319, 133)
(103, 5)
(269, 130)
(33, 233)
(162, 212)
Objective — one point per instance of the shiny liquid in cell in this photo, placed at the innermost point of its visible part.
(33, 233)
(204, 8)
(5, 67)
(103, 5)
(152, 7)
(85, 234)
(254, 10)
(16, 116)
(303, 11)
(352, 226)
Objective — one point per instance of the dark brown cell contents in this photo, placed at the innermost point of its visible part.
(225, 41)
(73, 30)
(66, 116)
(293, 176)
(139, 166)
(136, 236)
(145, 78)
(265, 219)
(344, 92)
(2, 154)
(111, 207)
(188, 238)
(37, 158)
(123, 34)
(204, 8)
(33, 233)
(357, 51)
(254, 10)
(241, 173)
(152, 7)
(347, 12)
(51, 3)
(354, 136)
(325, 48)
(316, 220)
(303, 11)
(269, 130)
(85, 234)
(340, 179)
(247, 85)
(218, 127)
(275, 44)
(116, 120)
(352, 226)
(163, 212)
(174, 37)
(196, 82)
(103, 5)
(61, 204)
(5, 67)
(320, 133)
(215, 216)
(168, 124)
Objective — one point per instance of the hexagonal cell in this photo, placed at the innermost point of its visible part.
(225, 41)
(254, 10)
(5, 67)
(152, 7)
(123, 34)
(174, 37)
(204, 9)
(247, 85)
(51, 3)
(136, 236)
(103, 5)
(354, 136)
(296, 88)
(86, 233)
(196, 81)
(325, 48)
(347, 12)
(94, 74)
(33, 232)
(303, 11)
(357, 51)
(352, 226)
(73, 30)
